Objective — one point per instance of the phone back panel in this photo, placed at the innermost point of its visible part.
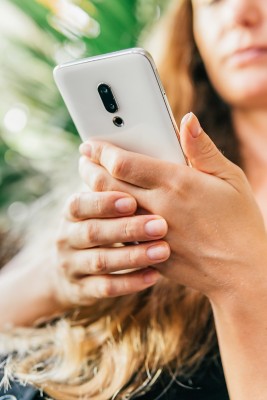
(149, 127)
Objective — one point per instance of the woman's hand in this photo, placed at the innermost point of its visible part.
(215, 230)
(89, 266)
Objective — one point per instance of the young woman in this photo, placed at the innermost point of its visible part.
(151, 333)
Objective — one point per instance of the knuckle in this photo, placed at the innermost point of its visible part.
(99, 206)
(125, 286)
(132, 258)
(107, 289)
(61, 242)
(99, 263)
(74, 205)
(180, 181)
(98, 182)
(208, 149)
(92, 233)
(118, 166)
(128, 229)
(64, 264)
(62, 235)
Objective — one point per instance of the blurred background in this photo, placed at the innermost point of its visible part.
(38, 141)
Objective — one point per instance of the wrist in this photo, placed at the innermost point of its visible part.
(42, 297)
(241, 325)
(241, 331)
(28, 294)
(245, 288)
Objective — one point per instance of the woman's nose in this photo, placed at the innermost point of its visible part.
(248, 13)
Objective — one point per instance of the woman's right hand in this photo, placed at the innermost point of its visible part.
(89, 264)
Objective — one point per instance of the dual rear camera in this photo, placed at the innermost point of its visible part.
(107, 98)
(109, 102)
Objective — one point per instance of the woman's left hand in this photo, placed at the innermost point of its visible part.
(215, 230)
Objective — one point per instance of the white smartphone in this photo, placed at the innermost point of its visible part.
(118, 97)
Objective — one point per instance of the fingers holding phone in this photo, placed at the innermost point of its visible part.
(90, 266)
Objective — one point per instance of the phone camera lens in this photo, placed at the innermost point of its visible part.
(104, 90)
(118, 121)
(112, 106)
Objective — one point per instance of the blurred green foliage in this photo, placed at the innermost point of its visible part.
(37, 136)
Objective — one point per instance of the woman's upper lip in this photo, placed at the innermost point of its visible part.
(249, 48)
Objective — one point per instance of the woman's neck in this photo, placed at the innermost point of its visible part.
(251, 130)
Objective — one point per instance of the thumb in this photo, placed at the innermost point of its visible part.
(200, 149)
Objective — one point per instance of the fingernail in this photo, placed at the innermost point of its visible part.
(158, 252)
(86, 149)
(156, 227)
(185, 118)
(151, 276)
(194, 126)
(125, 205)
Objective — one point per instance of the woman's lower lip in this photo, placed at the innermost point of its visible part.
(248, 56)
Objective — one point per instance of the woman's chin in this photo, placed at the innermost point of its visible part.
(249, 99)
(242, 86)
(250, 93)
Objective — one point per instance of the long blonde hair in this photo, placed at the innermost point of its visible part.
(118, 347)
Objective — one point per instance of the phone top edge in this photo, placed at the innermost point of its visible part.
(133, 50)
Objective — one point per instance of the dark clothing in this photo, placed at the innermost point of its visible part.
(208, 384)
